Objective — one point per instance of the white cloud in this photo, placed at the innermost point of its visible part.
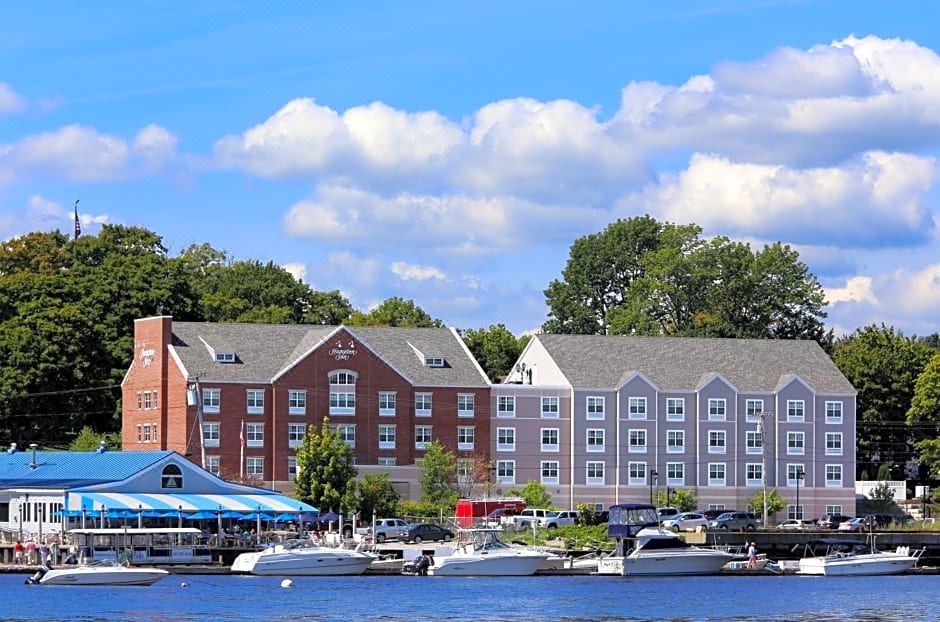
(346, 266)
(415, 272)
(10, 101)
(856, 289)
(43, 214)
(297, 270)
(914, 292)
(155, 147)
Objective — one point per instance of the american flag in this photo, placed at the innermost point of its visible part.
(78, 225)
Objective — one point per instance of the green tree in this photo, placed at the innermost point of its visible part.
(775, 502)
(494, 348)
(438, 475)
(882, 498)
(928, 452)
(924, 415)
(534, 494)
(89, 440)
(683, 499)
(329, 308)
(396, 312)
(373, 497)
(324, 468)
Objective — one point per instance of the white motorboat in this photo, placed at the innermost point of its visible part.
(832, 557)
(482, 553)
(97, 573)
(303, 558)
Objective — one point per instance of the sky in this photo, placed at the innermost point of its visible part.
(451, 152)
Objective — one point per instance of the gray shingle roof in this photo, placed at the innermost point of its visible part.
(264, 350)
(601, 361)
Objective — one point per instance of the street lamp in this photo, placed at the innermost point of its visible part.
(654, 476)
(797, 513)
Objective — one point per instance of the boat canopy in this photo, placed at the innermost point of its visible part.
(627, 519)
(95, 502)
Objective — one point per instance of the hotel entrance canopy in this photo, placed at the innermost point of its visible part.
(95, 502)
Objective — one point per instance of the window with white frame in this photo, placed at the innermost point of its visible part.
(717, 442)
(796, 410)
(637, 407)
(211, 400)
(146, 432)
(214, 464)
(794, 512)
(139, 400)
(434, 361)
(140, 434)
(833, 443)
(465, 437)
(833, 412)
(753, 442)
(466, 404)
(146, 400)
(465, 471)
(595, 439)
(549, 408)
(342, 403)
(154, 393)
(594, 407)
(254, 467)
(505, 439)
(291, 468)
(386, 461)
(347, 433)
(717, 474)
(796, 443)
(833, 509)
(254, 434)
(386, 403)
(342, 378)
(255, 400)
(833, 475)
(595, 474)
(295, 434)
(506, 406)
(752, 410)
(210, 434)
(636, 473)
(754, 474)
(716, 506)
(675, 474)
(675, 409)
(423, 404)
(549, 470)
(795, 473)
(422, 436)
(550, 439)
(636, 441)
(717, 409)
(506, 471)
(675, 441)
(296, 402)
(386, 436)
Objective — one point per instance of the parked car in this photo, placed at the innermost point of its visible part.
(601, 516)
(530, 516)
(853, 524)
(832, 521)
(744, 521)
(426, 531)
(797, 524)
(711, 514)
(389, 529)
(665, 513)
(560, 519)
(686, 521)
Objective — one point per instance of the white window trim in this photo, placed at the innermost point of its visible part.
(550, 447)
(595, 449)
(719, 401)
(249, 442)
(753, 482)
(505, 400)
(463, 412)
(833, 451)
(254, 410)
(296, 410)
(638, 416)
(835, 420)
(637, 481)
(343, 410)
(718, 482)
(796, 419)
(388, 412)
(753, 418)
(835, 483)
(791, 483)
(723, 448)
(675, 481)
(595, 481)
(796, 451)
(466, 446)
(259, 460)
(595, 416)
(294, 426)
(679, 449)
(675, 416)
(212, 442)
(506, 446)
(550, 414)
(424, 412)
(211, 408)
(388, 444)
(548, 479)
(753, 451)
(423, 444)
(637, 449)
(506, 479)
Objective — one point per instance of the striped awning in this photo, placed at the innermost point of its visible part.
(95, 501)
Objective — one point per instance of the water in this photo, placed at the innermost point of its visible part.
(454, 599)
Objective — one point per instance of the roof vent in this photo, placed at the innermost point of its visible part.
(32, 463)
(101, 448)
(12, 449)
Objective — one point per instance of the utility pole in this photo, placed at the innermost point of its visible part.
(761, 428)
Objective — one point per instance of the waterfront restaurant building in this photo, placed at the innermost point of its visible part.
(612, 419)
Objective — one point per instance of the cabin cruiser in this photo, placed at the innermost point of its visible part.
(833, 557)
(482, 553)
(97, 573)
(654, 552)
(303, 557)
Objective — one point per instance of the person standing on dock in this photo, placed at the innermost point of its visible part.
(31, 551)
(752, 555)
(18, 552)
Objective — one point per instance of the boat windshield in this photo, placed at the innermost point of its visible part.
(659, 544)
(627, 519)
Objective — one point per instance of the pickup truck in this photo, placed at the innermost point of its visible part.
(389, 529)
(560, 519)
(531, 516)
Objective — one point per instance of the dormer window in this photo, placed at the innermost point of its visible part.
(171, 477)
(434, 361)
(224, 357)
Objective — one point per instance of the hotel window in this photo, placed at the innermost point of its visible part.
(716, 474)
(214, 464)
(595, 440)
(833, 475)
(793, 473)
(675, 409)
(147, 437)
(466, 404)
(753, 409)
(754, 475)
(342, 403)
(549, 408)
(465, 470)
(254, 467)
(833, 443)
(505, 439)
(717, 409)
(595, 407)
(796, 410)
(506, 406)
(146, 400)
(796, 443)
(254, 433)
(140, 402)
(140, 435)
(595, 474)
(717, 442)
(296, 402)
(422, 436)
(833, 412)
(342, 378)
(386, 403)
(549, 469)
(675, 474)
(675, 441)
(295, 434)
(506, 471)
(833, 509)
(255, 400)
(291, 468)
(346, 433)
(211, 400)
(210, 434)
(386, 462)
(637, 442)
(154, 392)
(466, 438)
(636, 473)
(754, 443)
(422, 404)
(550, 439)
(794, 511)
(637, 407)
(386, 437)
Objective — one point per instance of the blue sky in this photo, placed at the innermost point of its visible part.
(451, 152)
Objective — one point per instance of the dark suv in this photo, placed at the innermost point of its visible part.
(743, 521)
(832, 521)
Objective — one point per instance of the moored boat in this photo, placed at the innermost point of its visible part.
(482, 553)
(833, 557)
(98, 573)
(303, 558)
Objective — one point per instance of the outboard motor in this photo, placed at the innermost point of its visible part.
(421, 565)
(34, 580)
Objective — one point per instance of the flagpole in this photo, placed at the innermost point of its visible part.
(78, 224)
(241, 457)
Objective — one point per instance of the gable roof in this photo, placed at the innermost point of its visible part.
(680, 363)
(68, 469)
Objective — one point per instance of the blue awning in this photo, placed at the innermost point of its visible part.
(95, 501)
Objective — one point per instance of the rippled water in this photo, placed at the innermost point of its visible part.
(410, 599)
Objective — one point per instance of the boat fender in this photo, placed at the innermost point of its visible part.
(184, 584)
(287, 583)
